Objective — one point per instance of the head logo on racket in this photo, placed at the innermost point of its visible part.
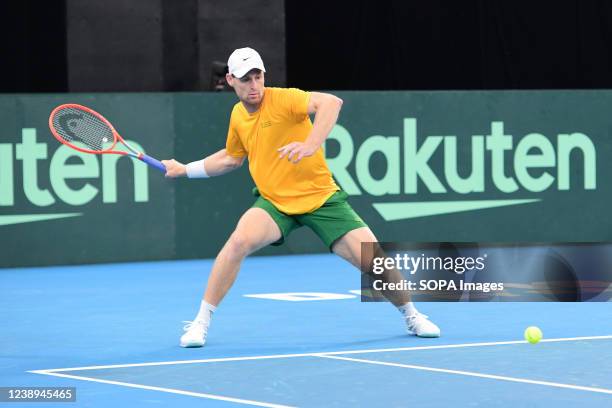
(85, 130)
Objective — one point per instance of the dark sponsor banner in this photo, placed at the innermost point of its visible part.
(521, 272)
(527, 166)
(513, 166)
(60, 206)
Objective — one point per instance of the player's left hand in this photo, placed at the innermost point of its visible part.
(296, 151)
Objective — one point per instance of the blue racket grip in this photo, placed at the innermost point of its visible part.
(152, 162)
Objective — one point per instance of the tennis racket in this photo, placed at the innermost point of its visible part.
(87, 131)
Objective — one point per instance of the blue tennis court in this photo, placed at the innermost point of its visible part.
(292, 332)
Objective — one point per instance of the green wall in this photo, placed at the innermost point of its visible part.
(529, 166)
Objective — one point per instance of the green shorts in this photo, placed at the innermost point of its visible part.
(331, 221)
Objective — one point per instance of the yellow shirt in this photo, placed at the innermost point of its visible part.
(282, 118)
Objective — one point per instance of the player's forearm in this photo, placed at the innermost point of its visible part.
(326, 117)
(221, 163)
(214, 165)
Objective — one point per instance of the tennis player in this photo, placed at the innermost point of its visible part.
(271, 128)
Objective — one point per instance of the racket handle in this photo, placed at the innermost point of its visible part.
(152, 162)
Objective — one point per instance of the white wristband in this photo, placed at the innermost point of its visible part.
(196, 169)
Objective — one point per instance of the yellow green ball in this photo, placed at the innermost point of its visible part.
(533, 334)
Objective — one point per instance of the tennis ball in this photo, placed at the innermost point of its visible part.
(533, 334)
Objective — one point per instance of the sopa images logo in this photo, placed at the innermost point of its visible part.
(536, 162)
(73, 178)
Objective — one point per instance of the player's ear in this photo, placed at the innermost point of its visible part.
(230, 80)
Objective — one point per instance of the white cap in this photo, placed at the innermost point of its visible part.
(243, 60)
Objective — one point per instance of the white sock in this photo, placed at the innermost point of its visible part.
(408, 309)
(205, 313)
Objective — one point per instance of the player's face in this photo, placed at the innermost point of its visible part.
(249, 88)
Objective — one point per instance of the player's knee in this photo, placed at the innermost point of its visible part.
(238, 245)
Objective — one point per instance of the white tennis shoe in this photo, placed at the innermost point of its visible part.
(195, 334)
(419, 325)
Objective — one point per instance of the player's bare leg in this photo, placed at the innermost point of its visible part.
(349, 248)
(255, 230)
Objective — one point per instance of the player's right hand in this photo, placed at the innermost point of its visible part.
(174, 168)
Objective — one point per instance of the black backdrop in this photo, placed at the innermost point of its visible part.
(33, 46)
(383, 44)
(446, 44)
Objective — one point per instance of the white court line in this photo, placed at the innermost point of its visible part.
(472, 374)
(315, 354)
(174, 391)
(332, 355)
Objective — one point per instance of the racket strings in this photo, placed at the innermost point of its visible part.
(75, 125)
